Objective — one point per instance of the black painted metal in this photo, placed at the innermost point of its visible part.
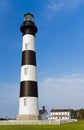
(28, 57)
(28, 89)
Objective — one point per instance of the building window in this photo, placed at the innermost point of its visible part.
(51, 114)
(67, 113)
(25, 101)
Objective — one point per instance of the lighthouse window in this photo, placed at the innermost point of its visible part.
(25, 101)
(25, 70)
(26, 46)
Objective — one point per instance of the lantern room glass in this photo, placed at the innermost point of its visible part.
(28, 17)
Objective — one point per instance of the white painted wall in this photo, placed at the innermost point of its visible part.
(30, 41)
(31, 106)
(30, 74)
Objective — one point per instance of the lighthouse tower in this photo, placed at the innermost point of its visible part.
(28, 101)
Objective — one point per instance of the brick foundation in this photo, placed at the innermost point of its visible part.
(27, 117)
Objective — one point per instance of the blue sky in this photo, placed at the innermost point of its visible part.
(60, 53)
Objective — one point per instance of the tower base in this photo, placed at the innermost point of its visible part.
(25, 117)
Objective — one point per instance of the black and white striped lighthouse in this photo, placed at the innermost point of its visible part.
(28, 101)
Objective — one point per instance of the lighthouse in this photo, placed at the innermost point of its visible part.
(28, 99)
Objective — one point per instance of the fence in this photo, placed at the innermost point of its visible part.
(38, 122)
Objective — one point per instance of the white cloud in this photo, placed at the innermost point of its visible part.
(62, 92)
(54, 92)
(9, 93)
(9, 97)
(55, 6)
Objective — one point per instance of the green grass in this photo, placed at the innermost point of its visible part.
(73, 126)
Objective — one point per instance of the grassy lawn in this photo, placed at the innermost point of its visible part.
(73, 126)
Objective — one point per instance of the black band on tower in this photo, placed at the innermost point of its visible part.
(28, 57)
(28, 89)
(28, 27)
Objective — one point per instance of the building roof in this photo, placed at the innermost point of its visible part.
(43, 111)
(60, 110)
